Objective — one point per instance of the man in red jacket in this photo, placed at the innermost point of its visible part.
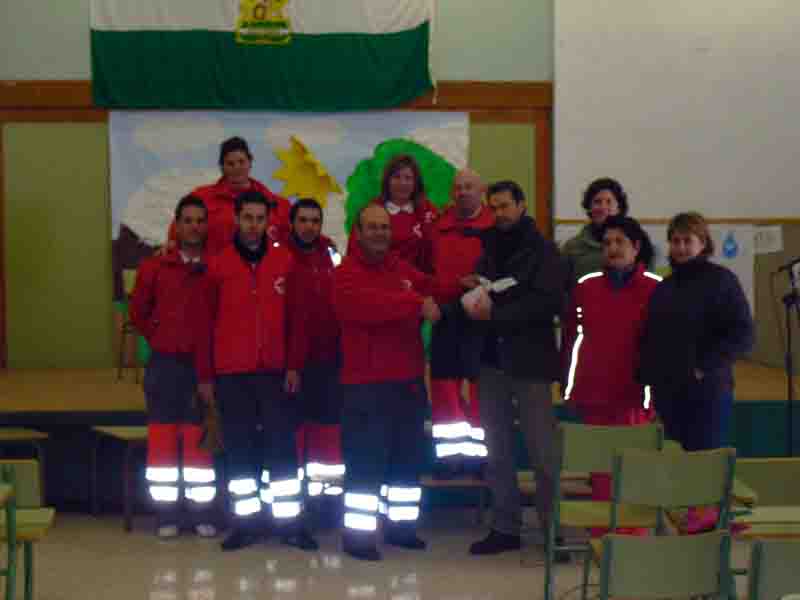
(380, 301)
(170, 308)
(459, 440)
(252, 285)
(319, 436)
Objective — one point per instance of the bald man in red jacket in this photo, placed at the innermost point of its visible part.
(380, 301)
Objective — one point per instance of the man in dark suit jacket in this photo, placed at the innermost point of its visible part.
(518, 290)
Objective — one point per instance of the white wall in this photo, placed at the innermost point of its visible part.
(49, 39)
(692, 105)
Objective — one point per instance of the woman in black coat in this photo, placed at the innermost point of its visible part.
(699, 323)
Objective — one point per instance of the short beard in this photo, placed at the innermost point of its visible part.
(185, 245)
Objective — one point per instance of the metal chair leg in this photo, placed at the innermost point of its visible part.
(127, 504)
(93, 500)
(587, 568)
(28, 549)
(39, 448)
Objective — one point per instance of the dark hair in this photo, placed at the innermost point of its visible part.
(603, 184)
(507, 186)
(632, 230)
(234, 144)
(692, 223)
(304, 203)
(187, 201)
(402, 161)
(251, 197)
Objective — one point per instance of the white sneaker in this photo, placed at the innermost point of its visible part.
(166, 532)
(205, 530)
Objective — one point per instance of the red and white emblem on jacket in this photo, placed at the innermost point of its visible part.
(429, 217)
(418, 230)
(280, 285)
(407, 285)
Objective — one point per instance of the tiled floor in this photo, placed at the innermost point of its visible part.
(92, 558)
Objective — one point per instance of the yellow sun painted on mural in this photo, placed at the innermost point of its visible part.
(304, 174)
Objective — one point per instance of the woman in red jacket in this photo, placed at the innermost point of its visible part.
(236, 162)
(410, 212)
(602, 330)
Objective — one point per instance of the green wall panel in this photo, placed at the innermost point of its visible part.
(57, 245)
(505, 151)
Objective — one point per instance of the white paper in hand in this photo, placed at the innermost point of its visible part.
(472, 298)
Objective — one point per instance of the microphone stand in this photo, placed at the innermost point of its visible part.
(790, 300)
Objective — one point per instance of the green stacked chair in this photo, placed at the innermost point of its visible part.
(33, 520)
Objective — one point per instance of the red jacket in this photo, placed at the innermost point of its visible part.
(609, 324)
(251, 321)
(314, 290)
(171, 308)
(411, 234)
(379, 307)
(456, 248)
(219, 199)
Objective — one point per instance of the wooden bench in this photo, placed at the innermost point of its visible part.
(572, 485)
(133, 439)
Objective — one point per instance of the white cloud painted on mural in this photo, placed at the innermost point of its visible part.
(313, 132)
(450, 141)
(175, 135)
(151, 208)
(335, 217)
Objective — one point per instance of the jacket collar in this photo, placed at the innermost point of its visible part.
(358, 255)
(395, 209)
(531, 238)
(450, 220)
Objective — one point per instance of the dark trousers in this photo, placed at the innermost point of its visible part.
(258, 424)
(696, 414)
(383, 442)
(175, 461)
(320, 394)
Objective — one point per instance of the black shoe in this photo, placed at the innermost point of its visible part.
(361, 549)
(404, 538)
(239, 538)
(301, 540)
(561, 557)
(495, 543)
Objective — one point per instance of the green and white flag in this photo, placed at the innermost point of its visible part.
(313, 55)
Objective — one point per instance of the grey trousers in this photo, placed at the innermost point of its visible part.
(537, 421)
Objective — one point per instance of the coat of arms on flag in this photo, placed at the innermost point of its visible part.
(263, 22)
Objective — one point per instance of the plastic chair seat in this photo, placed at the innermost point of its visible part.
(771, 531)
(598, 514)
(32, 524)
(772, 515)
(6, 491)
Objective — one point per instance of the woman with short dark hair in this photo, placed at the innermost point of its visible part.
(698, 324)
(605, 197)
(602, 331)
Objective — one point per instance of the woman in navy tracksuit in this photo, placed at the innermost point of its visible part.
(699, 323)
